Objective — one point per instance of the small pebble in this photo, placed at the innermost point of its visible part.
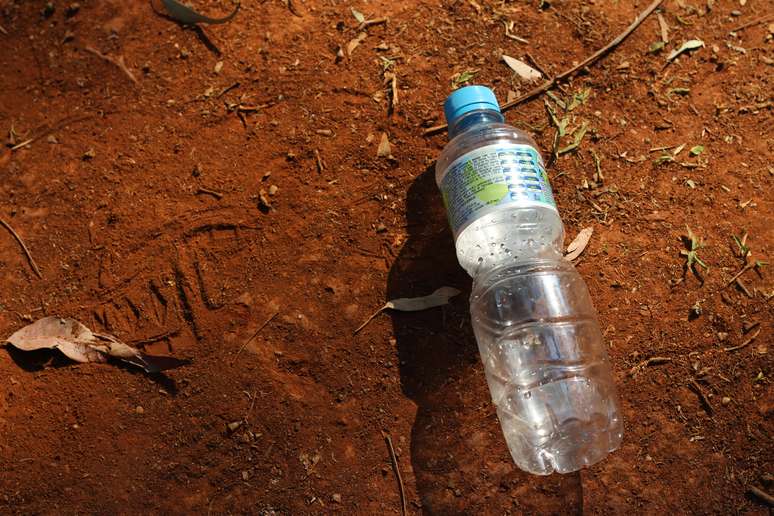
(233, 426)
(89, 154)
(218, 67)
(273, 189)
(381, 228)
(72, 9)
(336, 497)
(139, 410)
(245, 476)
(725, 400)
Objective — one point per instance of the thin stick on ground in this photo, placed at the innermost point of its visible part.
(30, 259)
(255, 334)
(749, 24)
(738, 274)
(745, 343)
(702, 397)
(48, 130)
(396, 467)
(118, 61)
(649, 362)
(761, 495)
(567, 73)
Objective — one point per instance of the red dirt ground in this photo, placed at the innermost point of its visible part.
(112, 210)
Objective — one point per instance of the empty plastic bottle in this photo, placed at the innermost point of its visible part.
(536, 328)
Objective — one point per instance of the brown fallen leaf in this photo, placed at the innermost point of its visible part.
(80, 344)
(522, 69)
(385, 149)
(355, 42)
(415, 304)
(578, 245)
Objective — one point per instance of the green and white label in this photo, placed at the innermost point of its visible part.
(491, 177)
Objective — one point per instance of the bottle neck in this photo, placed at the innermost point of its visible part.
(473, 119)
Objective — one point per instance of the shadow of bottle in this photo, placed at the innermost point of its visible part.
(460, 462)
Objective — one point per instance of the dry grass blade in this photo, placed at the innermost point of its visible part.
(567, 73)
(396, 468)
(254, 335)
(30, 259)
(118, 61)
(664, 28)
(757, 21)
(745, 343)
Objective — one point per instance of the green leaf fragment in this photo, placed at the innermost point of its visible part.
(656, 47)
(698, 149)
(578, 135)
(463, 77)
(579, 98)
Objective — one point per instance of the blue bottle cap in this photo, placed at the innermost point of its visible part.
(468, 99)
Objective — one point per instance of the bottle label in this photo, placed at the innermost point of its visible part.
(489, 177)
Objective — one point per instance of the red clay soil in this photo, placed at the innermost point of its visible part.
(151, 211)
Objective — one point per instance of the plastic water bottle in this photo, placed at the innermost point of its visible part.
(536, 328)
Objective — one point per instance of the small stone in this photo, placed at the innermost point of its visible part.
(245, 476)
(336, 497)
(273, 190)
(184, 53)
(52, 139)
(89, 154)
(72, 9)
(218, 67)
(69, 36)
(736, 13)
(139, 410)
(725, 400)
(381, 228)
(234, 426)
(722, 336)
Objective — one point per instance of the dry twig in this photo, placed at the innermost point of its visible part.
(761, 494)
(396, 467)
(702, 397)
(255, 334)
(564, 75)
(745, 343)
(649, 362)
(749, 24)
(24, 247)
(118, 61)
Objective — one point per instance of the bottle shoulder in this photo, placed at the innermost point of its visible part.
(476, 137)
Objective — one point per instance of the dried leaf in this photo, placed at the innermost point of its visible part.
(188, 16)
(80, 344)
(360, 17)
(698, 149)
(578, 245)
(415, 304)
(385, 149)
(691, 44)
(522, 69)
(354, 42)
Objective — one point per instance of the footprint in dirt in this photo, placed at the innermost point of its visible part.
(459, 458)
